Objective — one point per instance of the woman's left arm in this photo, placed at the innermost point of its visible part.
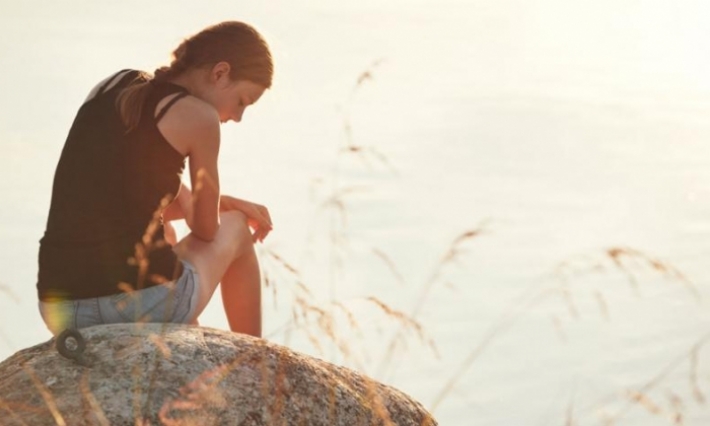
(257, 215)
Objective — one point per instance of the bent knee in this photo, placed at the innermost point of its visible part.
(234, 223)
(233, 215)
(235, 229)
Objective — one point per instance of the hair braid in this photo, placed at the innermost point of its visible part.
(179, 64)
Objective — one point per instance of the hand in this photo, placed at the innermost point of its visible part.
(257, 215)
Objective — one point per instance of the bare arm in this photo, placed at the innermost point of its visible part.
(181, 207)
(192, 126)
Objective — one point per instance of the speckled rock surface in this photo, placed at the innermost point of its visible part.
(159, 374)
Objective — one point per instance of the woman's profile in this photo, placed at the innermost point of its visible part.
(108, 253)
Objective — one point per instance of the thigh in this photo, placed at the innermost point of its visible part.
(162, 303)
(212, 258)
(172, 302)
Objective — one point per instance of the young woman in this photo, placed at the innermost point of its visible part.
(108, 254)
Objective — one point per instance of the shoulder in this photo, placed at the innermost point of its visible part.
(190, 122)
(190, 109)
(109, 82)
(189, 113)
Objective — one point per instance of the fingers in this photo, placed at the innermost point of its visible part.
(262, 230)
(265, 225)
(260, 234)
(265, 214)
(258, 216)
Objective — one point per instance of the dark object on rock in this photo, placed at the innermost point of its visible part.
(74, 352)
(161, 374)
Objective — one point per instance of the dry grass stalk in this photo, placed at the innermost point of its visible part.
(306, 314)
(266, 383)
(677, 419)
(451, 254)
(338, 205)
(350, 316)
(569, 302)
(407, 322)
(159, 342)
(144, 247)
(314, 341)
(695, 386)
(204, 180)
(376, 403)
(603, 306)
(660, 377)
(675, 401)
(677, 408)
(203, 391)
(5, 407)
(331, 404)
(46, 396)
(278, 388)
(390, 264)
(283, 263)
(4, 288)
(615, 254)
(94, 405)
(137, 374)
(137, 395)
(645, 401)
(557, 325)
(268, 284)
(621, 259)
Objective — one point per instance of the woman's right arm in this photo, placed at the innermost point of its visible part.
(181, 207)
(192, 126)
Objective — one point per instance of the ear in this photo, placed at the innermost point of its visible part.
(220, 72)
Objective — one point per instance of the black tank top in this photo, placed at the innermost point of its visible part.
(104, 224)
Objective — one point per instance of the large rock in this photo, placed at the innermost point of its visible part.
(158, 374)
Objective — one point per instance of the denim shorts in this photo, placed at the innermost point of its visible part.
(174, 302)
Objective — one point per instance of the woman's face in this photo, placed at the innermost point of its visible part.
(235, 97)
(229, 97)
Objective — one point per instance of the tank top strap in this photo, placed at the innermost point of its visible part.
(170, 103)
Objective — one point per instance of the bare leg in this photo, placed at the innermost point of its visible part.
(229, 259)
(241, 294)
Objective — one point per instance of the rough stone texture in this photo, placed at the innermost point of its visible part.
(159, 374)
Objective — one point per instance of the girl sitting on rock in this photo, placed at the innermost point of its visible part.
(108, 254)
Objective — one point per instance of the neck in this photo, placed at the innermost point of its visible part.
(190, 80)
